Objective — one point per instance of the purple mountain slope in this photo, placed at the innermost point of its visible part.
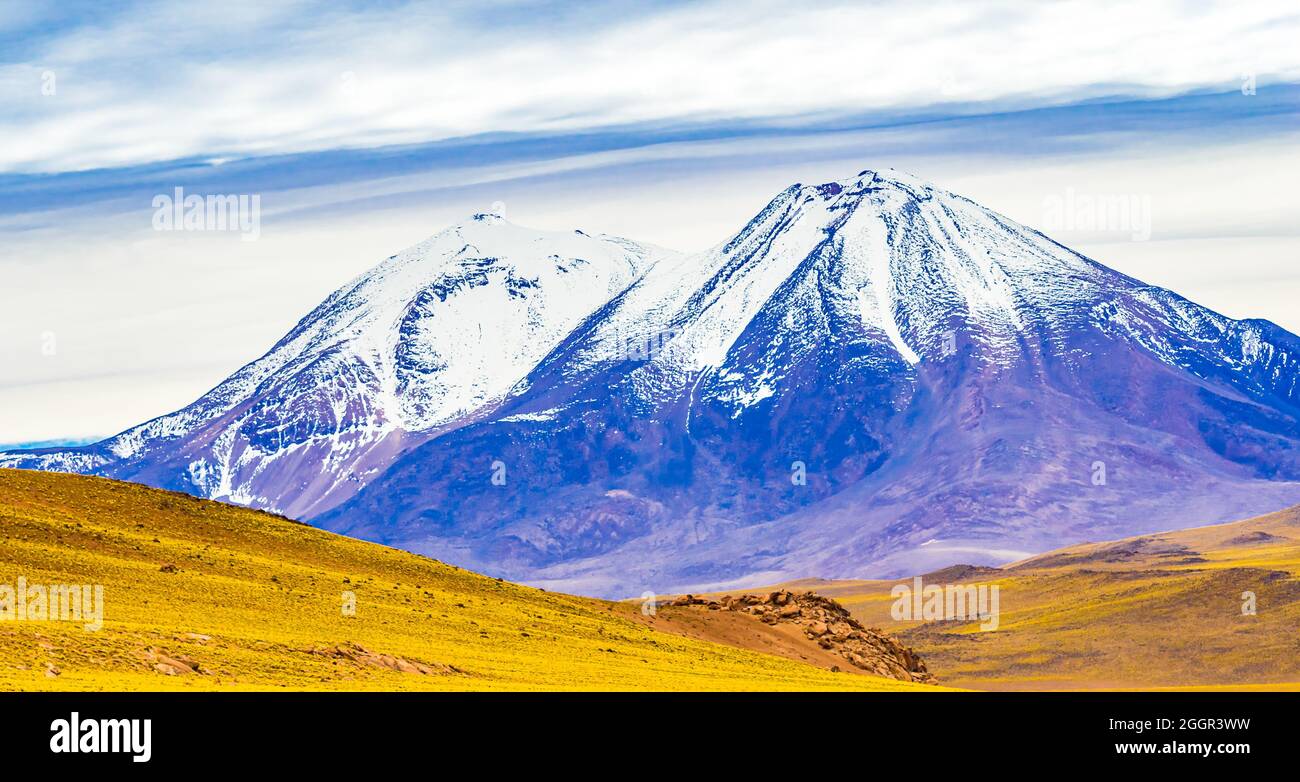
(873, 377)
(953, 384)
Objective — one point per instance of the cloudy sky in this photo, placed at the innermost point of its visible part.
(364, 128)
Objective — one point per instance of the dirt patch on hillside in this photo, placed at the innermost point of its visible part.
(1256, 538)
(1125, 552)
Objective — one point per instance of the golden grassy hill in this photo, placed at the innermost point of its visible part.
(1160, 610)
(202, 595)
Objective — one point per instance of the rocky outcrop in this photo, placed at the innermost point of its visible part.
(829, 625)
(170, 664)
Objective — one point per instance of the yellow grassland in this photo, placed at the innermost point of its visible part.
(1156, 611)
(255, 602)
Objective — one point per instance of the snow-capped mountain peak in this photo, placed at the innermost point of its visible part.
(426, 338)
(867, 365)
(882, 258)
(872, 376)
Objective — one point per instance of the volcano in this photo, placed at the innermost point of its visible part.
(873, 377)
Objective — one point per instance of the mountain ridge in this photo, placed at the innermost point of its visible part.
(632, 396)
(942, 380)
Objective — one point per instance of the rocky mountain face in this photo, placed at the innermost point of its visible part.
(873, 377)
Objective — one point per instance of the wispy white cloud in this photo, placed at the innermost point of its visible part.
(146, 321)
(170, 80)
(652, 123)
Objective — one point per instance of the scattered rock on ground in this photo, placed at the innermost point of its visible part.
(173, 665)
(357, 653)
